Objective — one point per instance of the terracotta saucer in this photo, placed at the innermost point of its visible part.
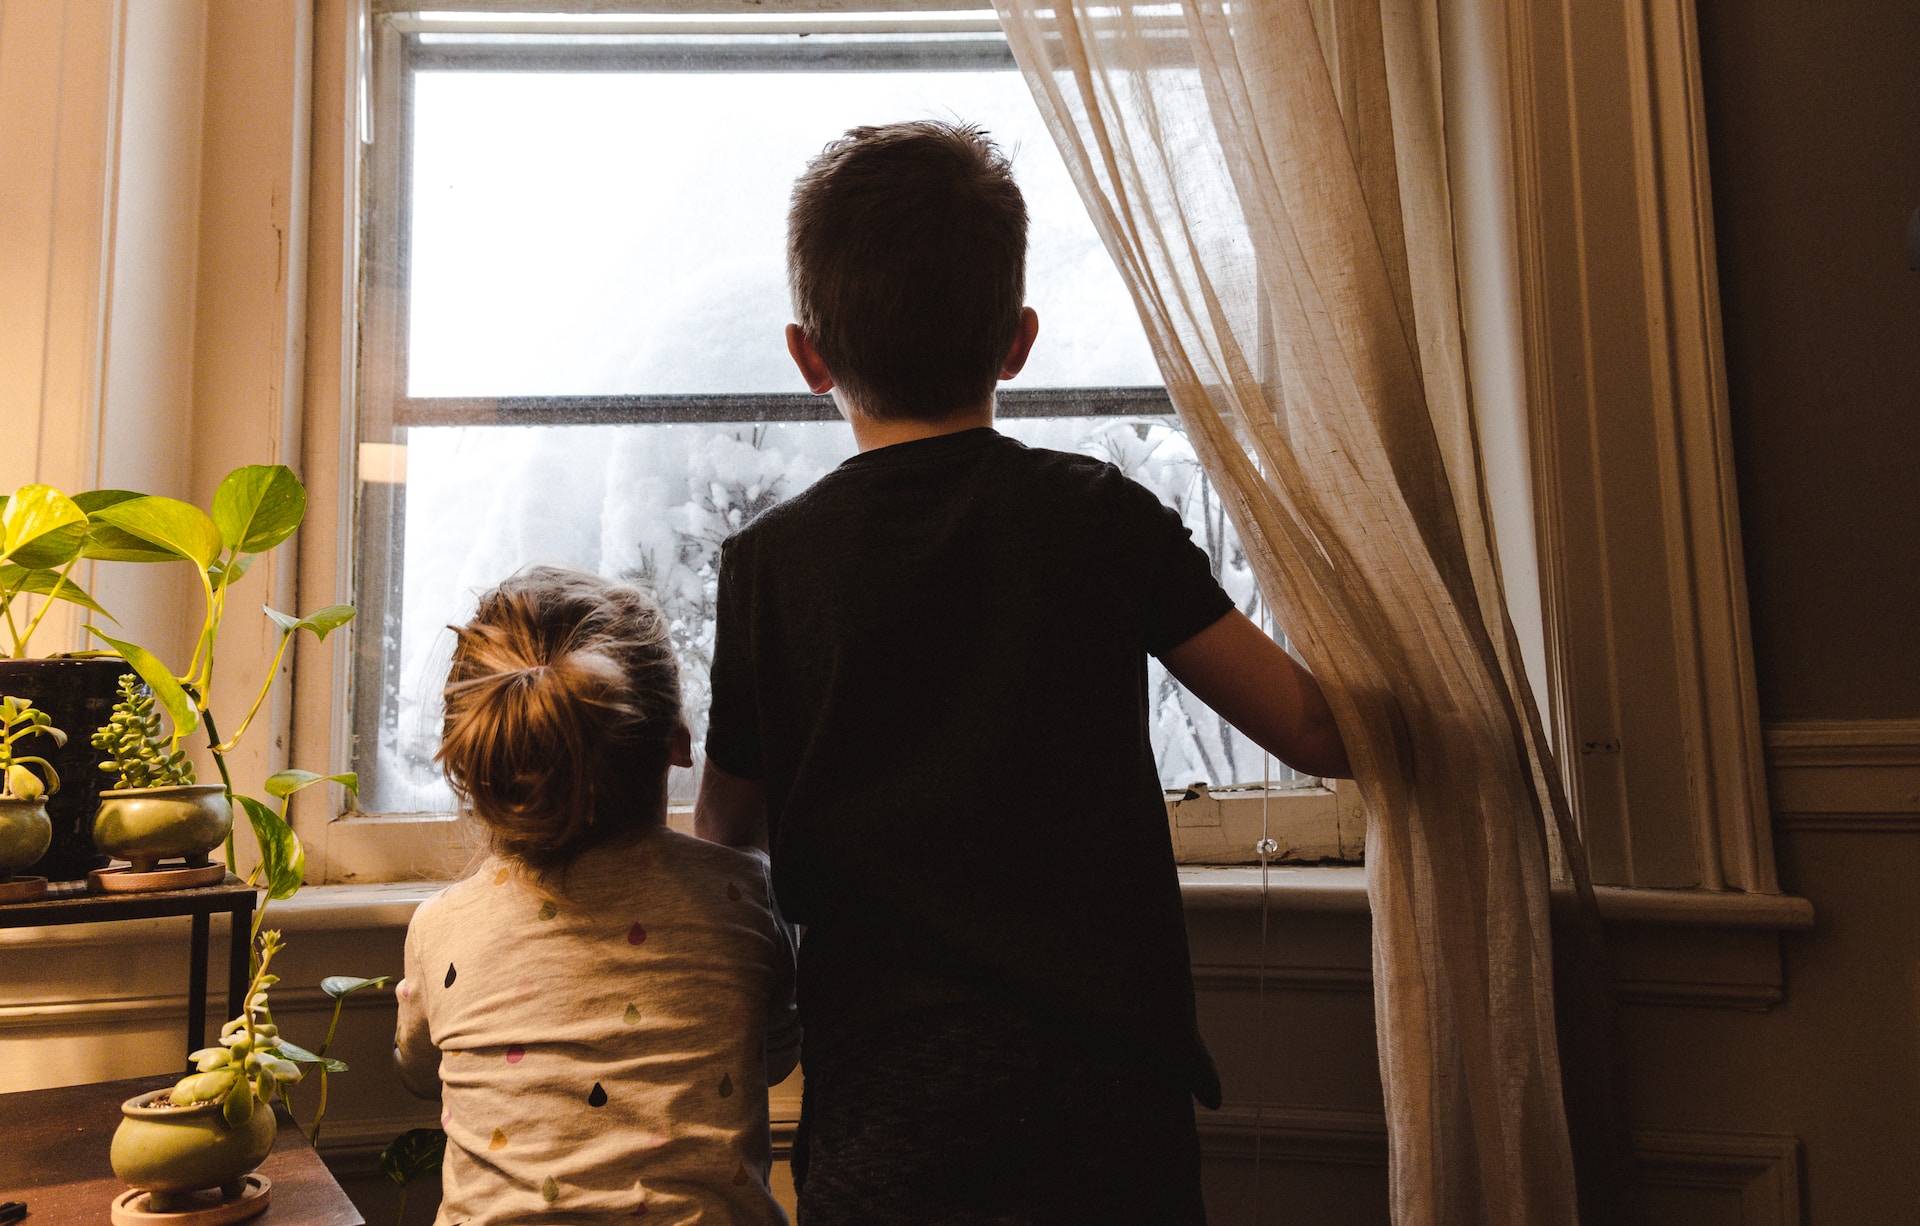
(256, 1190)
(23, 889)
(121, 879)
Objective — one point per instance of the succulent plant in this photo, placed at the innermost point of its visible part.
(142, 754)
(19, 720)
(249, 1066)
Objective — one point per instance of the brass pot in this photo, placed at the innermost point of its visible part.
(25, 833)
(173, 1152)
(146, 825)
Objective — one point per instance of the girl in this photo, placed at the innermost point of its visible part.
(601, 1006)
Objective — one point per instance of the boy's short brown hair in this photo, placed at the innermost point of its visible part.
(907, 259)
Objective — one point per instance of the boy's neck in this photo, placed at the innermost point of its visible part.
(870, 433)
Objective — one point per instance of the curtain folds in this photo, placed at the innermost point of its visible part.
(1271, 180)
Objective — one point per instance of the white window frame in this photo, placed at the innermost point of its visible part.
(1305, 822)
(1584, 228)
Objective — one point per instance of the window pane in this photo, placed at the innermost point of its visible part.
(652, 504)
(602, 233)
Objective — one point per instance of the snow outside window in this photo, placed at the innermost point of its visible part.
(577, 297)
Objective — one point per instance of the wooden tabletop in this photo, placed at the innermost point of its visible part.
(53, 1155)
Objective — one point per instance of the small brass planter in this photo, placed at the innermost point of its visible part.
(173, 1152)
(25, 833)
(144, 826)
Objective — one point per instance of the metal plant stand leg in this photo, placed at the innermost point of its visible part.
(197, 982)
(240, 954)
(68, 902)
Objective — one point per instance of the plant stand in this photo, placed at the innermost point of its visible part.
(68, 902)
(255, 1191)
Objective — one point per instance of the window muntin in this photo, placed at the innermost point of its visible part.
(571, 385)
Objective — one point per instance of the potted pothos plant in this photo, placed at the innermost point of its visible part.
(44, 536)
(255, 509)
(221, 1109)
(25, 829)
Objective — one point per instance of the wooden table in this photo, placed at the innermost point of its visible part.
(68, 902)
(53, 1155)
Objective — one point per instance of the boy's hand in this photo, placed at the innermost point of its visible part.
(1252, 682)
(731, 810)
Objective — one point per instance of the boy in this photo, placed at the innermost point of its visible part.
(929, 699)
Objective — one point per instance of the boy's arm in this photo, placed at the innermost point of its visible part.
(1252, 682)
(730, 810)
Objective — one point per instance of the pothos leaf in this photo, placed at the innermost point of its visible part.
(92, 500)
(41, 528)
(337, 986)
(47, 583)
(287, 782)
(169, 523)
(226, 574)
(413, 1153)
(300, 1055)
(159, 679)
(282, 858)
(321, 621)
(258, 506)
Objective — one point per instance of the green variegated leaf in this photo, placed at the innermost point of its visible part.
(47, 583)
(282, 858)
(226, 574)
(169, 523)
(321, 621)
(337, 986)
(259, 506)
(180, 708)
(287, 782)
(300, 1055)
(413, 1153)
(106, 543)
(41, 528)
(92, 500)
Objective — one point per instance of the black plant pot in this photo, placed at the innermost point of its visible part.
(79, 696)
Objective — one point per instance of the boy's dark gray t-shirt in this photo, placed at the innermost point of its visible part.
(936, 659)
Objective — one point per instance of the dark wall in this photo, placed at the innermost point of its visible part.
(1813, 129)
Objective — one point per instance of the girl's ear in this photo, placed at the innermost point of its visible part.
(680, 745)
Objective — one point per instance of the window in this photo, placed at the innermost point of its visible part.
(572, 342)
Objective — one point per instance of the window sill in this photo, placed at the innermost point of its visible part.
(1691, 948)
(1336, 889)
(1342, 888)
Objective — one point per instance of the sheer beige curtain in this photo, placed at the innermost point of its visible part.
(1271, 179)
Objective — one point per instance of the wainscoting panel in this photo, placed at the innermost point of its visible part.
(1705, 1178)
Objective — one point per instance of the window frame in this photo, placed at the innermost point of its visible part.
(359, 845)
(1583, 221)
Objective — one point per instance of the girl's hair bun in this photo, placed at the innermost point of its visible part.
(561, 706)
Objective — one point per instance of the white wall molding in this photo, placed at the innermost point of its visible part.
(1651, 686)
(169, 1008)
(1855, 776)
(1843, 742)
(1247, 978)
(1295, 1134)
(1757, 1173)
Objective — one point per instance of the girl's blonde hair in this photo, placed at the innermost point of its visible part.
(560, 711)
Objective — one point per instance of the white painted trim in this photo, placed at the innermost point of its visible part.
(1652, 684)
(1843, 742)
(1762, 1168)
(1846, 776)
(1316, 1135)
